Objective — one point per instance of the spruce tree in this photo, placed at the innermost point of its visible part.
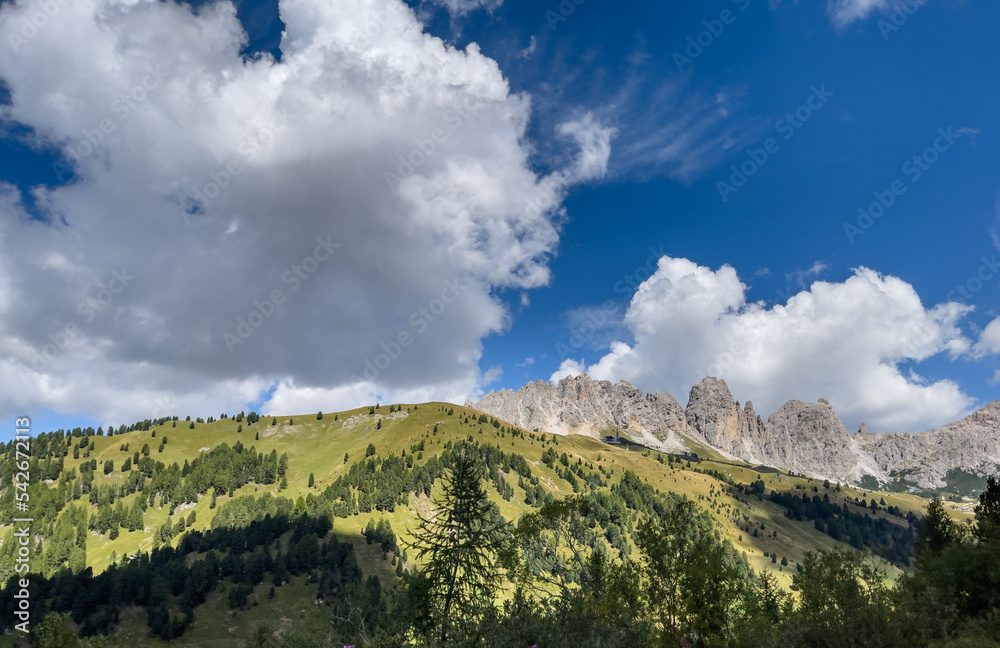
(988, 511)
(459, 546)
(938, 530)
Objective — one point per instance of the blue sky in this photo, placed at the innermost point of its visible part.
(628, 127)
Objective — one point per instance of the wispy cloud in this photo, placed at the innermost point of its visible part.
(671, 129)
(800, 278)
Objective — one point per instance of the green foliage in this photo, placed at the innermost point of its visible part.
(459, 547)
(988, 512)
(891, 540)
(692, 581)
(844, 601)
(938, 530)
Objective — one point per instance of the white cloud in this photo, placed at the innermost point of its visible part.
(594, 142)
(989, 340)
(569, 367)
(376, 176)
(844, 12)
(530, 49)
(492, 375)
(840, 341)
(800, 278)
(673, 129)
(461, 7)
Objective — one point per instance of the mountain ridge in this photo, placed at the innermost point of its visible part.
(802, 437)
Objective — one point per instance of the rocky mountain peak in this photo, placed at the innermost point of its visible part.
(715, 418)
(802, 437)
(579, 404)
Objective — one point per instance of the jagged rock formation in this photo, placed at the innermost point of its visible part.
(971, 444)
(581, 405)
(801, 437)
(715, 418)
(808, 438)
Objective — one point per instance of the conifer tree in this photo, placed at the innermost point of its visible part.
(459, 547)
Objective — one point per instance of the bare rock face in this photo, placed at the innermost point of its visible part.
(715, 418)
(971, 444)
(582, 405)
(806, 438)
(809, 439)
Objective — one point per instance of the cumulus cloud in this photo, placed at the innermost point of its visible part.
(330, 226)
(844, 342)
(989, 340)
(568, 367)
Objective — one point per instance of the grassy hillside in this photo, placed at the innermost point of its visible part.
(327, 448)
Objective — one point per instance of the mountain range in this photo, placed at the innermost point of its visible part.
(801, 437)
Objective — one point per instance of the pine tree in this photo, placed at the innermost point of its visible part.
(312, 480)
(938, 530)
(256, 436)
(988, 511)
(460, 546)
(319, 415)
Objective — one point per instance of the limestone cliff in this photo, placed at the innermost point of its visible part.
(801, 437)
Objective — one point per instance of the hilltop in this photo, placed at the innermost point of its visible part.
(371, 471)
